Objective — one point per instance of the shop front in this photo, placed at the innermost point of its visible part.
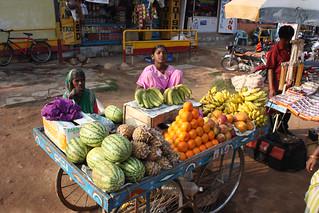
(208, 16)
(101, 22)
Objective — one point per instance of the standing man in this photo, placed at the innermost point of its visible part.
(279, 53)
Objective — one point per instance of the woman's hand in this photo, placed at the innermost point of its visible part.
(72, 93)
(311, 162)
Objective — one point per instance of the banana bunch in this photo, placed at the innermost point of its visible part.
(149, 98)
(230, 108)
(257, 96)
(214, 100)
(261, 120)
(177, 95)
(247, 107)
(258, 115)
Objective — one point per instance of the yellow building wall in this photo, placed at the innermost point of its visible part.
(34, 16)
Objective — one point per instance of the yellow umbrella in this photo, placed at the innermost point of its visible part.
(244, 9)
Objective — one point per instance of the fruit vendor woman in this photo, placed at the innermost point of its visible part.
(160, 74)
(312, 195)
(279, 53)
(75, 89)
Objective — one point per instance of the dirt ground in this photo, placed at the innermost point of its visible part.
(28, 174)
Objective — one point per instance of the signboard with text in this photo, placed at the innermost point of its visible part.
(226, 25)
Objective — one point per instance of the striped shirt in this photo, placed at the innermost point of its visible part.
(312, 195)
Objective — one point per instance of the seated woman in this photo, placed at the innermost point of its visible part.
(312, 195)
(85, 98)
(159, 74)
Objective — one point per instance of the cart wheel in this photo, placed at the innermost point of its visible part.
(219, 180)
(72, 195)
(168, 198)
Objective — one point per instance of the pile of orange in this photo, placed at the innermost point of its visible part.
(189, 134)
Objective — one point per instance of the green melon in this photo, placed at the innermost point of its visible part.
(108, 176)
(114, 113)
(95, 156)
(133, 169)
(117, 148)
(92, 134)
(76, 151)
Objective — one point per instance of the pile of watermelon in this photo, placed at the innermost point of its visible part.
(108, 155)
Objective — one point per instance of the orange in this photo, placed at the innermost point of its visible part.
(182, 146)
(180, 112)
(184, 136)
(196, 150)
(192, 134)
(206, 127)
(215, 142)
(188, 106)
(198, 141)
(182, 156)
(204, 138)
(195, 113)
(186, 116)
(209, 144)
(202, 147)
(211, 135)
(177, 118)
(199, 131)
(185, 126)
(175, 149)
(191, 144)
(200, 121)
(194, 123)
(189, 153)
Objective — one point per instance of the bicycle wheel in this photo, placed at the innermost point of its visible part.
(72, 195)
(167, 198)
(40, 51)
(219, 180)
(6, 53)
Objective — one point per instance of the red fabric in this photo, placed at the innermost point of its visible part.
(277, 153)
(276, 56)
(95, 108)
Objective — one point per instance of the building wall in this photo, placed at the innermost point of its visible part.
(35, 16)
(250, 27)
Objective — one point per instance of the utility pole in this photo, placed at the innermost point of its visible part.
(58, 30)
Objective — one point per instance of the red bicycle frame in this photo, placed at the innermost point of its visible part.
(16, 46)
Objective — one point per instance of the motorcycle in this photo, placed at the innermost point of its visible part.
(240, 59)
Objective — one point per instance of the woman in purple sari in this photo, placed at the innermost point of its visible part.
(159, 75)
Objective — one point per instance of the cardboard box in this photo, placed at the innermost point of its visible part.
(61, 132)
(136, 116)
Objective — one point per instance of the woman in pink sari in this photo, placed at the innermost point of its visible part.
(159, 74)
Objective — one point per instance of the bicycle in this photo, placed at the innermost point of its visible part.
(38, 49)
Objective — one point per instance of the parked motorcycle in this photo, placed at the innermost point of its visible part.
(240, 59)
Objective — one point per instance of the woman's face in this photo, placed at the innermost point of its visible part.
(160, 55)
(79, 83)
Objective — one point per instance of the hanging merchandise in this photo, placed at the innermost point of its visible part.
(140, 15)
(161, 3)
(71, 7)
(84, 9)
(154, 13)
(99, 1)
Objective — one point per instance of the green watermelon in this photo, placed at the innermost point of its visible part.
(108, 176)
(92, 134)
(95, 156)
(117, 148)
(114, 113)
(133, 169)
(76, 151)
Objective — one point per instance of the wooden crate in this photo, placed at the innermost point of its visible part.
(136, 116)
